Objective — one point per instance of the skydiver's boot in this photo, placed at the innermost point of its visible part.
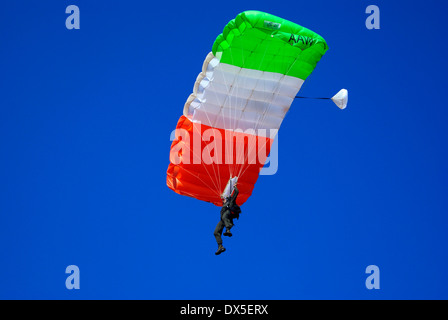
(220, 250)
(228, 233)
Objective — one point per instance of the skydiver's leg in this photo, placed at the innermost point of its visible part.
(218, 232)
(228, 222)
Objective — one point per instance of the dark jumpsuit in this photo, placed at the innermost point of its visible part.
(229, 211)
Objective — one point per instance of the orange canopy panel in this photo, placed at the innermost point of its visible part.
(203, 159)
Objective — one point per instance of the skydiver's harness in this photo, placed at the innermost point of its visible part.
(235, 210)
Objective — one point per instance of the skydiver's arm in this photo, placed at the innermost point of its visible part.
(235, 194)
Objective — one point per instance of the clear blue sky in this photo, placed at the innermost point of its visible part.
(85, 124)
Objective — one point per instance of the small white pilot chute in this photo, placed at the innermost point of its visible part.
(341, 98)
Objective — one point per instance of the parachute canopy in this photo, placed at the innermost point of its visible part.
(247, 84)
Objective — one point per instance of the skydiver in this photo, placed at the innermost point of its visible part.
(229, 211)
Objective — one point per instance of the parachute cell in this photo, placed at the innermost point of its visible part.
(246, 87)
